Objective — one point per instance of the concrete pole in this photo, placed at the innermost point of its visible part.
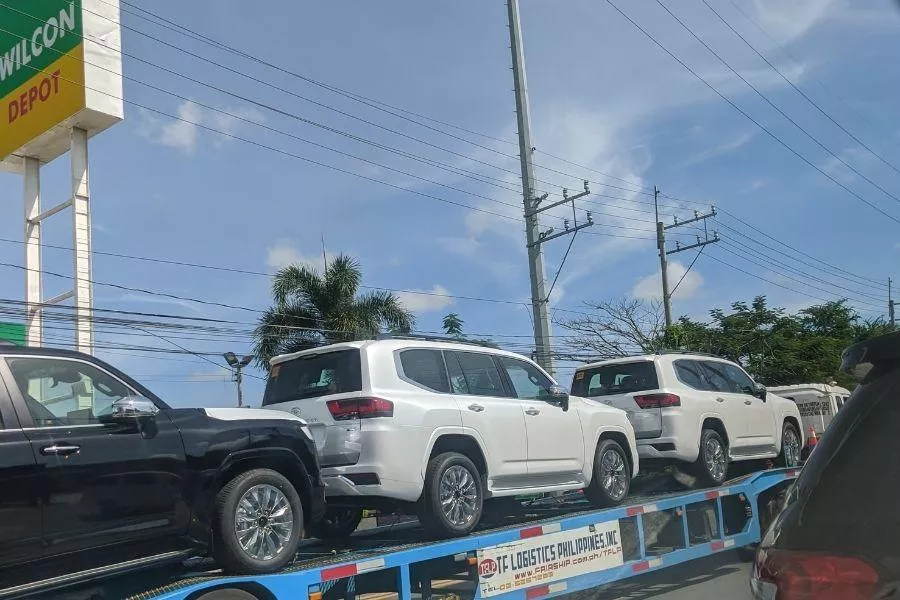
(663, 262)
(540, 303)
(81, 211)
(33, 284)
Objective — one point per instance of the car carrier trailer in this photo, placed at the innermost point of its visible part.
(574, 548)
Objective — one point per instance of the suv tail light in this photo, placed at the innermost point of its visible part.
(657, 400)
(793, 575)
(360, 408)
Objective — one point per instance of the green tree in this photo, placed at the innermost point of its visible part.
(312, 308)
(453, 324)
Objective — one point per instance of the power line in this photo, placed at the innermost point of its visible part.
(786, 245)
(747, 116)
(798, 90)
(776, 107)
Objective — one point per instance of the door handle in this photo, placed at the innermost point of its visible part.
(532, 411)
(748, 402)
(720, 399)
(60, 450)
(475, 407)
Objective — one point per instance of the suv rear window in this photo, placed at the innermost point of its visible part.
(315, 375)
(619, 378)
(425, 367)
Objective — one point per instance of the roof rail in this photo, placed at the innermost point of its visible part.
(666, 351)
(434, 338)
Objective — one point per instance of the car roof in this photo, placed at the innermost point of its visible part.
(390, 345)
(652, 358)
(799, 387)
(13, 350)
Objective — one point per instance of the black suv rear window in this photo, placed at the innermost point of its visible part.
(315, 375)
(619, 378)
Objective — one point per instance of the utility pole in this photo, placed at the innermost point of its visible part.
(661, 229)
(237, 373)
(891, 305)
(663, 263)
(540, 301)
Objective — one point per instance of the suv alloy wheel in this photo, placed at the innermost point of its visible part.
(612, 475)
(712, 463)
(453, 499)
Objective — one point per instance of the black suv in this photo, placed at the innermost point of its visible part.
(836, 537)
(90, 460)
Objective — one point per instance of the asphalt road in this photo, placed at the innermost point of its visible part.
(723, 576)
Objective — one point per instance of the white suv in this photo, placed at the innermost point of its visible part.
(440, 427)
(694, 408)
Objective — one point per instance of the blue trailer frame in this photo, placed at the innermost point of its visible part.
(311, 582)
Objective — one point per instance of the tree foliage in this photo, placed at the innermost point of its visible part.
(775, 347)
(312, 308)
(453, 324)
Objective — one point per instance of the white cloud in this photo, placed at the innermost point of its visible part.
(419, 301)
(182, 134)
(650, 287)
(721, 149)
(283, 254)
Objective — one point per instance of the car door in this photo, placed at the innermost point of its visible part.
(555, 440)
(488, 408)
(20, 502)
(728, 405)
(758, 418)
(101, 482)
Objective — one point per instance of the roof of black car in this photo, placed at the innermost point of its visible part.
(859, 358)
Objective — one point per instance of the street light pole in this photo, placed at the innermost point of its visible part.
(237, 372)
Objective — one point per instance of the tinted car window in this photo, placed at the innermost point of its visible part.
(716, 378)
(690, 373)
(65, 392)
(458, 383)
(618, 378)
(480, 374)
(740, 381)
(315, 375)
(527, 380)
(425, 367)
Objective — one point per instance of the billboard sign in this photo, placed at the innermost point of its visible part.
(60, 67)
(13, 333)
(549, 558)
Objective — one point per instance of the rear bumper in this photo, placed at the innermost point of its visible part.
(393, 455)
(667, 448)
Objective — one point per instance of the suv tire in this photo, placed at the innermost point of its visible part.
(712, 462)
(266, 498)
(790, 456)
(611, 478)
(454, 476)
(339, 522)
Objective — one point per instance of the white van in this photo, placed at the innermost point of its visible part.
(818, 403)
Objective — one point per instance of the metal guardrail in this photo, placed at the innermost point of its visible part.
(532, 560)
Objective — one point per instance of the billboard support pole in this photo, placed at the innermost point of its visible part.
(33, 284)
(81, 211)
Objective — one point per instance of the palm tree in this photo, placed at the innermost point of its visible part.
(453, 324)
(312, 309)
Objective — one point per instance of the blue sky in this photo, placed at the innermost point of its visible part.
(602, 96)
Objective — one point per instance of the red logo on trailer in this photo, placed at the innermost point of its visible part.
(487, 568)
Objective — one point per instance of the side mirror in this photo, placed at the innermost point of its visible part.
(131, 408)
(556, 395)
(760, 391)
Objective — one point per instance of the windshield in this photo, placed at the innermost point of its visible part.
(620, 378)
(312, 376)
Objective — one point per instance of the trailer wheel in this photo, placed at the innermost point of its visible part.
(453, 498)
(258, 523)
